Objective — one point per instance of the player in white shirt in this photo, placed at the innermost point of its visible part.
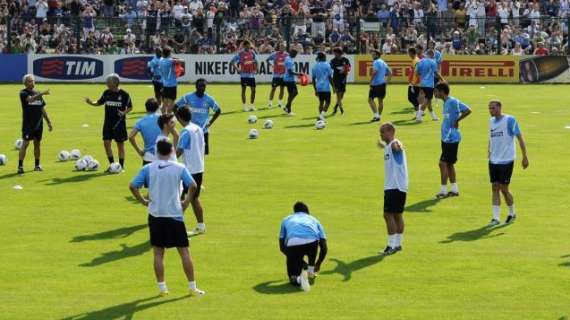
(395, 186)
(167, 125)
(192, 147)
(502, 154)
(166, 212)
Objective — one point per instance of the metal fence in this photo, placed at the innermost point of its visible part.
(459, 34)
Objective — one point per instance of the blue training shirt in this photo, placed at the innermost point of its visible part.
(322, 72)
(168, 72)
(303, 226)
(153, 65)
(426, 68)
(289, 70)
(200, 108)
(452, 109)
(382, 70)
(148, 127)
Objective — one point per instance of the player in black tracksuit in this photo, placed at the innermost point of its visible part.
(33, 116)
(341, 68)
(117, 104)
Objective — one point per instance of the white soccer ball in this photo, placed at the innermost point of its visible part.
(268, 124)
(88, 159)
(19, 144)
(252, 119)
(320, 125)
(115, 167)
(93, 165)
(3, 159)
(63, 155)
(253, 134)
(80, 165)
(75, 154)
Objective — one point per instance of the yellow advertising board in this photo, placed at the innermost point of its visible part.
(455, 69)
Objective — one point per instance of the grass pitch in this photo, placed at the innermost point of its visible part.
(75, 243)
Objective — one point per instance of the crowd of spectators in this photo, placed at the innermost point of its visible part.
(218, 26)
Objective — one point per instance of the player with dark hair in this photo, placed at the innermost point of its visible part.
(117, 105)
(154, 67)
(166, 212)
(167, 125)
(289, 79)
(413, 80)
(453, 112)
(381, 74)
(168, 76)
(33, 116)
(149, 129)
(246, 62)
(302, 235)
(278, 58)
(426, 69)
(322, 81)
(341, 67)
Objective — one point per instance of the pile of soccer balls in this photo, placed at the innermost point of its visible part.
(254, 133)
(85, 163)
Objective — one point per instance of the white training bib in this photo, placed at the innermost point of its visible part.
(395, 168)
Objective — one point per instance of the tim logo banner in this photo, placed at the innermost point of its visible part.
(133, 68)
(68, 68)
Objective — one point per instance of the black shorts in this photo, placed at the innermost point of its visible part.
(449, 152)
(291, 88)
(378, 91)
(32, 133)
(324, 97)
(248, 82)
(169, 93)
(394, 201)
(157, 88)
(277, 82)
(339, 84)
(501, 173)
(117, 133)
(197, 177)
(206, 143)
(413, 93)
(167, 232)
(428, 92)
(296, 255)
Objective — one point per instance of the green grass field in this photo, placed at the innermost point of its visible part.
(75, 243)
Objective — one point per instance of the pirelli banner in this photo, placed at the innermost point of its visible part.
(456, 69)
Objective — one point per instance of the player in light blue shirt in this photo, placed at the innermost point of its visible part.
(200, 104)
(289, 80)
(301, 235)
(149, 129)
(167, 67)
(426, 69)
(381, 73)
(322, 81)
(154, 67)
(453, 112)
(166, 211)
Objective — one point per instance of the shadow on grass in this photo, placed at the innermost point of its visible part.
(297, 126)
(79, 177)
(111, 234)
(276, 287)
(565, 264)
(111, 256)
(123, 311)
(361, 123)
(473, 235)
(404, 111)
(346, 269)
(132, 199)
(9, 175)
(273, 116)
(410, 122)
(422, 206)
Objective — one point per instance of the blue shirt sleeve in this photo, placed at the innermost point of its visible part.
(184, 140)
(271, 57)
(375, 66)
(187, 178)
(388, 70)
(138, 125)
(462, 107)
(212, 104)
(513, 127)
(181, 102)
(142, 177)
(235, 58)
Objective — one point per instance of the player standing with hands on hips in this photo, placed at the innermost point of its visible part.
(395, 186)
(246, 62)
(502, 153)
(33, 116)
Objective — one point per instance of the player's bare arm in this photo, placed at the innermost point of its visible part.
(46, 118)
(522, 145)
(322, 254)
(189, 196)
(396, 147)
(214, 118)
(464, 115)
(133, 141)
(137, 194)
(38, 96)
(91, 102)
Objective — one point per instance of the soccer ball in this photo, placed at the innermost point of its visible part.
(93, 165)
(253, 134)
(320, 125)
(19, 144)
(75, 154)
(268, 124)
(252, 119)
(115, 167)
(3, 159)
(80, 165)
(88, 159)
(63, 155)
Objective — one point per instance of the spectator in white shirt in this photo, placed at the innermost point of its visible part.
(194, 5)
(41, 10)
(129, 37)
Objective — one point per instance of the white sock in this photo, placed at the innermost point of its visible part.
(433, 115)
(162, 286)
(192, 285)
(270, 103)
(377, 115)
(443, 188)
(392, 240)
(512, 210)
(201, 225)
(497, 212)
(245, 105)
(299, 279)
(399, 238)
(454, 188)
(280, 103)
(311, 269)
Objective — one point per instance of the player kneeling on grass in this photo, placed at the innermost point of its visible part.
(322, 81)
(33, 115)
(502, 154)
(166, 211)
(395, 186)
(301, 235)
(117, 104)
